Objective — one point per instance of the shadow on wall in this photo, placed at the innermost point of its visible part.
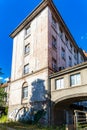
(36, 110)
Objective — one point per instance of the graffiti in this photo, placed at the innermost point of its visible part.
(23, 113)
(36, 106)
(12, 114)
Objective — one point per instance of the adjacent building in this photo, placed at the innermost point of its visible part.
(42, 45)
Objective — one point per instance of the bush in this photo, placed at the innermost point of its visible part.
(3, 119)
(6, 110)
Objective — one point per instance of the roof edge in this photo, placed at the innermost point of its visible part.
(34, 13)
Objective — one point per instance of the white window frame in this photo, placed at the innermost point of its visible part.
(59, 83)
(25, 92)
(28, 30)
(26, 69)
(27, 49)
(75, 79)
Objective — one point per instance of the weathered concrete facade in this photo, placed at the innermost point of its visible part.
(63, 98)
(42, 44)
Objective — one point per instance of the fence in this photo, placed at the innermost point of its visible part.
(80, 120)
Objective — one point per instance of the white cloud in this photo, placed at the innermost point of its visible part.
(6, 79)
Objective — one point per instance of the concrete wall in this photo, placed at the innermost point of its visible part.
(61, 43)
(77, 91)
(38, 40)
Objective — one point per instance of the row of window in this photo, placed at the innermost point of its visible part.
(26, 51)
(74, 80)
(67, 42)
(54, 45)
(54, 61)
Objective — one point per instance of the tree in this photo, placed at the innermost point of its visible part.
(3, 94)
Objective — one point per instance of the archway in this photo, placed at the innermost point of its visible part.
(63, 109)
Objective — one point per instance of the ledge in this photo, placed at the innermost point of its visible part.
(69, 70)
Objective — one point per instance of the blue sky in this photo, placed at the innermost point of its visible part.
(12, 12)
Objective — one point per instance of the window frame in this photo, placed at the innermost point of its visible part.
(54, 42)
(28, 30)
(54, 64)
(75, 79)
(60, 83)
(27, 50)
(26, 70)
(66, 40)
(24, 92)
(54, 23)
(63, 54)
(61, 33)
(70, 61)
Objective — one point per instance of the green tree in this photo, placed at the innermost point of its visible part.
(3, 94)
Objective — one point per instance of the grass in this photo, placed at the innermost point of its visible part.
(5, 124)
(22, 126)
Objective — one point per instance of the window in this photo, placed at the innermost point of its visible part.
(75, 54)
(82, 59)
(26, 69)
(66, 40)
(75, 79)
(28, 30)
(54, 64)
(61, 33)
(53, 22)
(70, 46)
(60, 83)
(25, 92)
(70, 61)
(54, 42)
(63, 53)
(27, 48)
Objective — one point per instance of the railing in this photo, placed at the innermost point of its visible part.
(80, 120)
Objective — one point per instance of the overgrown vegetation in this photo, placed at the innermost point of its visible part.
(3, 119)
(22, 126)
(5, 123)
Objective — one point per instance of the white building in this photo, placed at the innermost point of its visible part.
(42, 44)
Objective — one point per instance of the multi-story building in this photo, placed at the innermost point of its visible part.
(42, 45)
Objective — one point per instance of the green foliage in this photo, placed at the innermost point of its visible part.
(6, 110)
(81, 126)
(3, 119)
(3, 95)
(22, 126)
